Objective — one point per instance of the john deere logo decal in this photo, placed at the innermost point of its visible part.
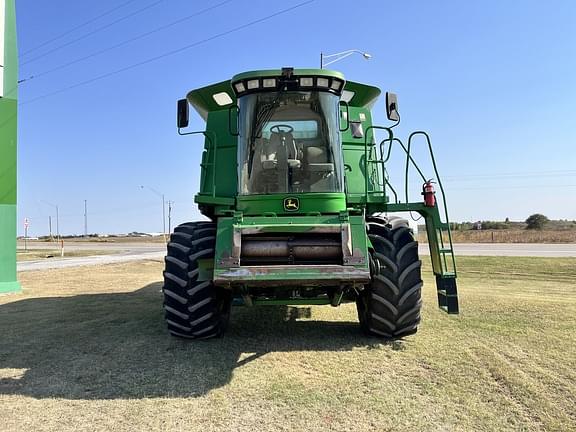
(291, 204)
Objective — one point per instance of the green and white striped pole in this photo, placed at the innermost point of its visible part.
(8, 148)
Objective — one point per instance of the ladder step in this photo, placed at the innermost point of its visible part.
(447, 293)
(445, 250)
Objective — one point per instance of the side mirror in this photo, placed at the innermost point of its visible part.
(183, 113)
(392, 107)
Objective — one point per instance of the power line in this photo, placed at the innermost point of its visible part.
(127, 41)
(67, 32)
(125, 17)
(169, 53)
(532, 174)
(105, 212)
(536, 186)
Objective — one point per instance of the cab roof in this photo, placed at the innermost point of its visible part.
(221, 96)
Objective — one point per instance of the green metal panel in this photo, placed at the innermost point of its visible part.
(8, 149)
(365, 96)
(359, 237)
(226, 225)
(203, 102)
(353, 149)
(289, 224)
(219, 177)
(324, 203)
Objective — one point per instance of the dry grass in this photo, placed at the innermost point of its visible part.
(509, 236)
(86, 349)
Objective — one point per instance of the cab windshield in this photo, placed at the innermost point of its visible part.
(289, 143)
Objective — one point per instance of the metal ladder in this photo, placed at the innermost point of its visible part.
(439, 234)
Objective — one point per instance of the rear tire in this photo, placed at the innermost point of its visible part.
(390, 305)
(194, 308)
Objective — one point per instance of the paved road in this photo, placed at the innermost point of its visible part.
(511, 249)
(119, 252)
(125, 252)
(88, 260)
(82, 245)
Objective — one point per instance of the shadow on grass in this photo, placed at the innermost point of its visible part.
(108, 346)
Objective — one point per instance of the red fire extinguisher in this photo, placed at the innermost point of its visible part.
(429, 193)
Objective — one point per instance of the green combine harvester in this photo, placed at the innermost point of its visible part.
(301, 208)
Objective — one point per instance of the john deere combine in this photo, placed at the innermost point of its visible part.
(301, 208)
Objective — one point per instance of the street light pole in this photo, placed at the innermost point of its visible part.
(161, 195)
(341, 55)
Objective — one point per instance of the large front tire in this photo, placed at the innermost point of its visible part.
(390, 305)
(194, 308)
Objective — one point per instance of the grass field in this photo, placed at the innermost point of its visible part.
(86, 349)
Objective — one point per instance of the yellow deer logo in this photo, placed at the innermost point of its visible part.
(291, 204)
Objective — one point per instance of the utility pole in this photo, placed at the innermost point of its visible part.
(85, 218)
(164, 218)
(57, 224)
(57, 220)
(50, 226)
(170, 203)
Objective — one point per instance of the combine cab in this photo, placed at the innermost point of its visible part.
(301, 208)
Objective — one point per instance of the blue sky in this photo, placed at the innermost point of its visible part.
(493, 82)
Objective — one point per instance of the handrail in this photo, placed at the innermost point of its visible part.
(405, 150)
(389, 153)
(393, 191)
(445, 205)
(382, 157)
(213, 146)
(390, 137)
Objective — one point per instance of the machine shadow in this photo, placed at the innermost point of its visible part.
(108, 346)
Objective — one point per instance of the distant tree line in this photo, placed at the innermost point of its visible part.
(536, 221)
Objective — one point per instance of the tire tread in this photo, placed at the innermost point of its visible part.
(389, 307)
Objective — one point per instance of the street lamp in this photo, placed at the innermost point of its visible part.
(339, 56)
(161, 195)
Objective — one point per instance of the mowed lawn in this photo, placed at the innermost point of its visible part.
(86, 349)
